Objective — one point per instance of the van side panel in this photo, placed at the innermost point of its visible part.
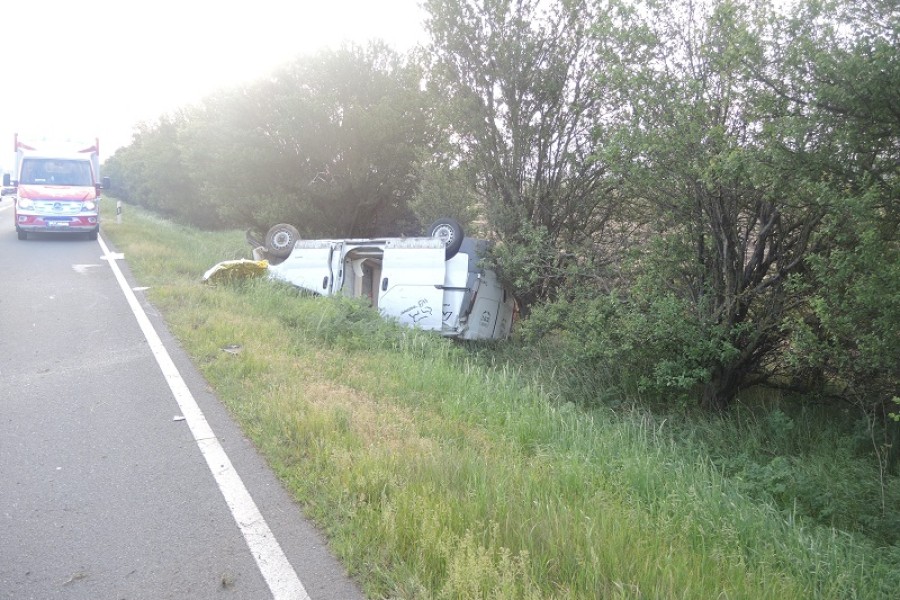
(411, 282)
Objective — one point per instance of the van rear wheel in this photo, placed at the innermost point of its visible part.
(280, 240)
(450, 232)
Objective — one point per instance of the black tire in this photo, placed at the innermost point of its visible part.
(23, 235)
(280, 240)
(92, 235)
(450, 232)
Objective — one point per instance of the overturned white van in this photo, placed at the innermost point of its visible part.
(434, 282)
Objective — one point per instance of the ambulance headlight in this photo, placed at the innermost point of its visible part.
(25, 203)
(89, 205)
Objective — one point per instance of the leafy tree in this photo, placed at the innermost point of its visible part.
(852, 88)
(343, 132)
(329, 143)
(847, 78)
(241, 172)
(151, 173)
(519, 99)
(762, 161)
(711, 160)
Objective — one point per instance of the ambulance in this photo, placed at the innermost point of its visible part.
(56, 187)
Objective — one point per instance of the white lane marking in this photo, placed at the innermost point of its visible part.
(83, 268)
(273, 564)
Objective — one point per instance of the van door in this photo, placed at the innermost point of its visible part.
(309, 266)
(412, 275)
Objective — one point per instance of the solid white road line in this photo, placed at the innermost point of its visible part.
(273, 564)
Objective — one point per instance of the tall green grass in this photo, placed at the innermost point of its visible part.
(438, 473)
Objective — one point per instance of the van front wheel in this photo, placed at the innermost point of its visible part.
(450, 232)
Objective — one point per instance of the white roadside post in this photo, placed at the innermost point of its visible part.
(118, 212)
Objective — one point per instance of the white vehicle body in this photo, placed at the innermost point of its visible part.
(407, 279)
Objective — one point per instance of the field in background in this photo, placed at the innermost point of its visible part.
(440, 471)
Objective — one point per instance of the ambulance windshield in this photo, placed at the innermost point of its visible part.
(54, 171)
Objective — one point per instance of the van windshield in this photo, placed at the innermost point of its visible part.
(55, 171)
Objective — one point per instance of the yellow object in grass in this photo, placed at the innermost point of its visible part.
(235, 270)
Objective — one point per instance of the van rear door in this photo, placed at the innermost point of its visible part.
(309, 266)
(412, 277)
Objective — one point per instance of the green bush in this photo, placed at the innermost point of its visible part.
(653, 347)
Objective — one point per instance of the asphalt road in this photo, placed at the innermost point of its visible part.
(105, 493)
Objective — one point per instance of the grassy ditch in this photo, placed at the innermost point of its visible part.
(437, 475)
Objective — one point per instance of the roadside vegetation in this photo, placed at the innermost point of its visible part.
(689, 198)
(440, 470)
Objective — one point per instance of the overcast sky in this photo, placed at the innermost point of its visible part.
(97, 68)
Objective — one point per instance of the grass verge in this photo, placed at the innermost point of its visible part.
(436, 475)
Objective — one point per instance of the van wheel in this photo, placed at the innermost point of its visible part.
(92, 235)
(450, 232)
(280, 240)
(23, 235)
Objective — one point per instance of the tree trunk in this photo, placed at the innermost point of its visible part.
(718, 393)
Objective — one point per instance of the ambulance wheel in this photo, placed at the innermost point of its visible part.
(280, 240)
(450, 232)
(92, 235)
(23, 235)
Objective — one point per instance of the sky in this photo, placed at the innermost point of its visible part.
(97, 68)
